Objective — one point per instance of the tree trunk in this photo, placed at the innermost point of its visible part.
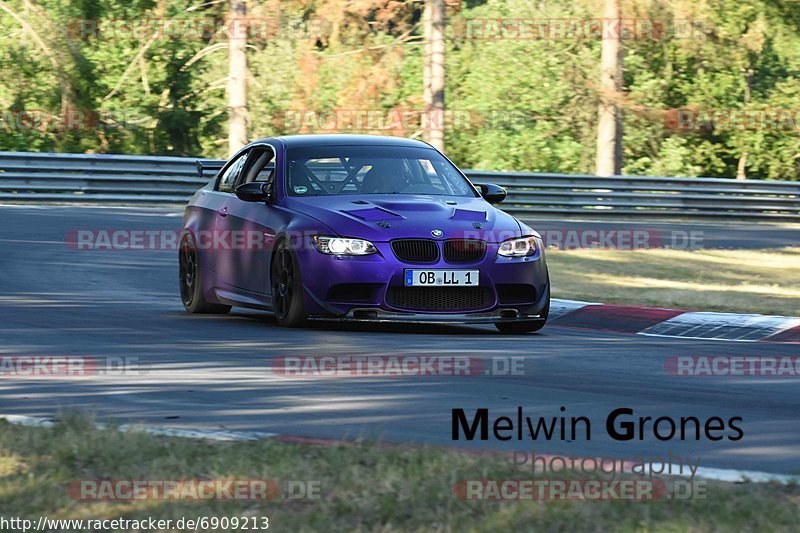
(609, 116)
(237, 80)
(435, 36)
(741, 168)
(427, 29)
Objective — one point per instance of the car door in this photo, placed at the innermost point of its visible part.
(248, 228)
(215, 204)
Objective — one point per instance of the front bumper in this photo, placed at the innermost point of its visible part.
(382, 275)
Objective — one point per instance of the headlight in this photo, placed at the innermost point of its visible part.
(518, 247)
(343, 246)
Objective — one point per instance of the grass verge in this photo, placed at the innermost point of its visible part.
(739, 281)
(363, 487)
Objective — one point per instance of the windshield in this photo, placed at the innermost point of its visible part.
(342, 170)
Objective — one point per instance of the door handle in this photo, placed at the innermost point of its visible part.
(223, 212)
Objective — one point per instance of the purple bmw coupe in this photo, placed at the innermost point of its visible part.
(359, 228)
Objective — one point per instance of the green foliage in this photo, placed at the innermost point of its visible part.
(360, 486)
(524, 104)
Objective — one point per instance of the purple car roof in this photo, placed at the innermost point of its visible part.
(292, 141)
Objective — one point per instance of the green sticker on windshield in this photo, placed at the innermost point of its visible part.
(300, 189)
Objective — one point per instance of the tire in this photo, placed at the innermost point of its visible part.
(287, 290)
(191, 281)
(527, 326)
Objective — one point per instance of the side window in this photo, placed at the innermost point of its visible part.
(228, 179)
(260, 166)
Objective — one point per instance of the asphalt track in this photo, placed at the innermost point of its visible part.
(214, 372)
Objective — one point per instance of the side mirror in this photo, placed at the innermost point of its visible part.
(255, 191)
(494, 194)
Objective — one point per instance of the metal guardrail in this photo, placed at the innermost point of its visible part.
(120, 179)
(645, 197)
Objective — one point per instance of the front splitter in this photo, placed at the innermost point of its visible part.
(371, 314)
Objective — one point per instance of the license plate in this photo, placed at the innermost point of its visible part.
(438, 278)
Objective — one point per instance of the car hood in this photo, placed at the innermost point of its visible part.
(380, 218)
